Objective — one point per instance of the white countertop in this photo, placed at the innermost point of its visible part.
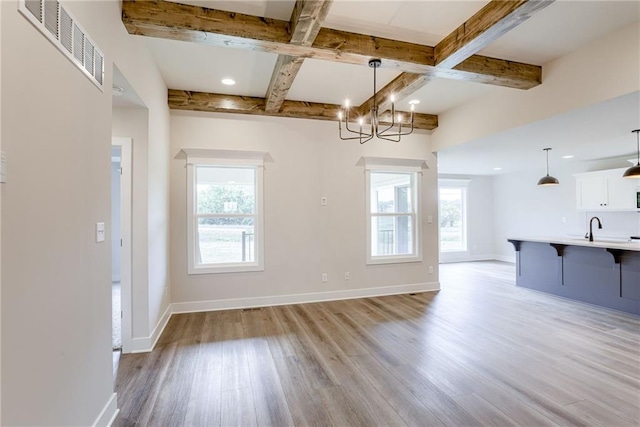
(572, 241)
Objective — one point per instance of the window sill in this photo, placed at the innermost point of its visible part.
(225, 268)
(393, 260)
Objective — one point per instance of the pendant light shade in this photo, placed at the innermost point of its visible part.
(548, 179)
(634, 171)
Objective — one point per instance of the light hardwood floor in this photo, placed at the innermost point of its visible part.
(479, 352)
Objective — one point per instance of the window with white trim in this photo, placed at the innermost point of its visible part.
(225, 222)
(452, 196)
(393, 202)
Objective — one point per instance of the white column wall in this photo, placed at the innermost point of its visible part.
(56, 298)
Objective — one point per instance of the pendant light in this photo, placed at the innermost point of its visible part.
(548, 179)
(634, 171)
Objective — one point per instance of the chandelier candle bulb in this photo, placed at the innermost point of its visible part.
(346, 103)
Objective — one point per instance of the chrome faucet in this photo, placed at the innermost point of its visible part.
(591, 227)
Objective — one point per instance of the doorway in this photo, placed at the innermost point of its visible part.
(121, 245)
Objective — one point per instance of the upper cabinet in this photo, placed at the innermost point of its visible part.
(606, 190)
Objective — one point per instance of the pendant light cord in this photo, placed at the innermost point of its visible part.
(637, 131)
(547, 150)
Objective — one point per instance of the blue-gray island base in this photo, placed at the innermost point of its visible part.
(608, 277)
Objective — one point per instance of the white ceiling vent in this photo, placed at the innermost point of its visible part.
(61, 28)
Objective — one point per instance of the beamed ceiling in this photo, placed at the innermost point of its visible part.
(284, 47)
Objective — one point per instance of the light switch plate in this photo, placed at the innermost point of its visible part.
(100, 232)
(323, 201)
(430, 219)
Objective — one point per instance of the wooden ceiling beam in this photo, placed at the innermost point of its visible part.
(400, 87)
(217, 103)
(175, 21)
(306, 20)
(489, 23)
(455, 54)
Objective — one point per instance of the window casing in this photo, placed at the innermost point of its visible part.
(224, 215)
(452, 200)
(393, 213)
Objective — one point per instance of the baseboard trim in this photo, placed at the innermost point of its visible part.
(511, 259)
(230, 304)
(146, 344)
(468, 258)
(108, 413)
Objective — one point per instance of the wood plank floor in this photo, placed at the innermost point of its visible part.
(479, 352)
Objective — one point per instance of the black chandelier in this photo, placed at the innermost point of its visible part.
(391, 133)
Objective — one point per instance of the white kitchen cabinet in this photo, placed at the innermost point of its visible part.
(605, 190)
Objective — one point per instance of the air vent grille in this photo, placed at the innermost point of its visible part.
(99, 67)
(35, 8)
(66, 30)
(51, 17)
(88, 56)
(66, 33)
(78, 44)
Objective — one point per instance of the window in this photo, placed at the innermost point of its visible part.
(225, 216)
(392, 215)
(453, 215)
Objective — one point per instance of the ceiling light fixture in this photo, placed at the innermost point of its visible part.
(391, 133)
(414, 102)
(548, 179)
(497, 169)
(228, 82)
(570, 156)
(634, 171)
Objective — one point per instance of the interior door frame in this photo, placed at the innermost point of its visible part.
(126, 183)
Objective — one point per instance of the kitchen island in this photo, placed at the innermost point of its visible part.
(604, 273)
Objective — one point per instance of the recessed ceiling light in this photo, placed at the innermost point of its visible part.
(570, 156)
(497, 169)
(414, 102)
(228, 82)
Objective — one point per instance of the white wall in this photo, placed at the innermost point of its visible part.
(302, 238)
(134, 123)
(479, 220)
(56, 296)
(569, 82)
(115, 218)
(522, 209)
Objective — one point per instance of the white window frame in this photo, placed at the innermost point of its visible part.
(224, 158)
(414, 168)
(462, 184)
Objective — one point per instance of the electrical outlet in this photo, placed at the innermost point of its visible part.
(325, 277)
(431, 269)
(346, 275)
(430, 219)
